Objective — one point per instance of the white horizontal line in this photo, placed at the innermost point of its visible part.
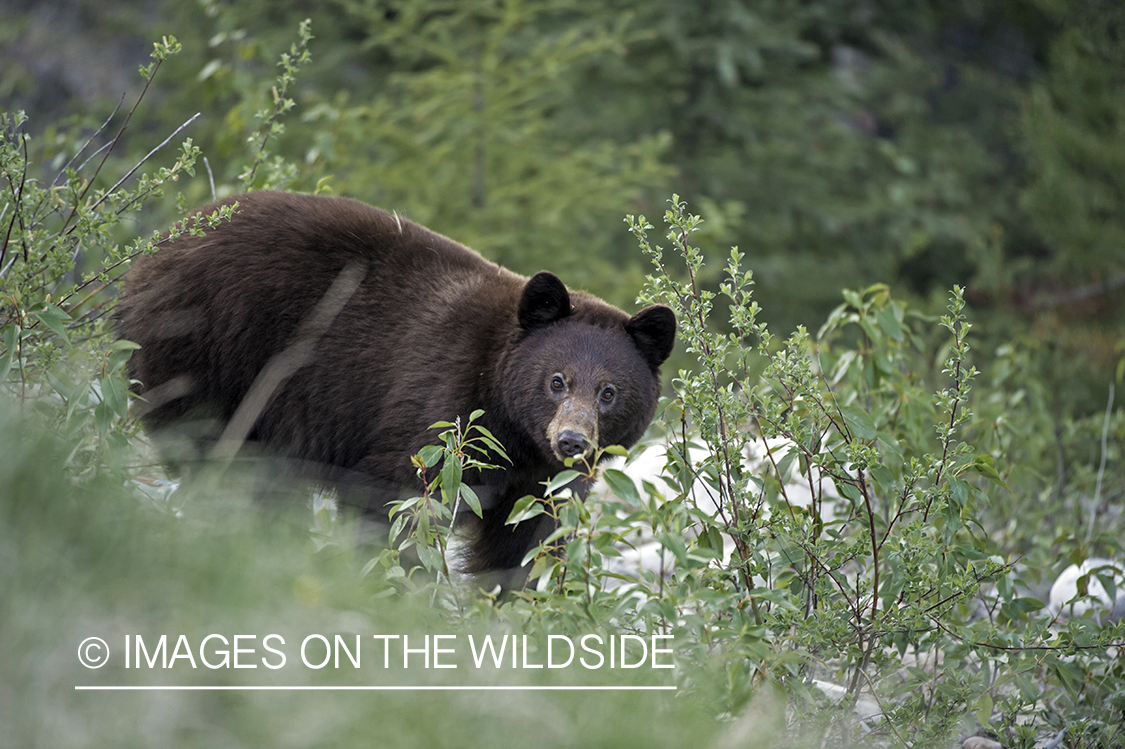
(217, 688)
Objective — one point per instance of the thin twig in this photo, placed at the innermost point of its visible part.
(17, 212)
(140, 163)
(210, 178)
(112, 145)
(62, 171)
(296, 355)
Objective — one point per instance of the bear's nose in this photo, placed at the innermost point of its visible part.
(571, 444)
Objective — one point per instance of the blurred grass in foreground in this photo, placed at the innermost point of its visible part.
(97, 560)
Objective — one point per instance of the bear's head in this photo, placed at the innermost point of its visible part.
(586, 374)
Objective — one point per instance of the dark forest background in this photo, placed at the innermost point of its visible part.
(837, 144)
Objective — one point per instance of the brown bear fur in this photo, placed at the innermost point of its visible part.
(416, 329)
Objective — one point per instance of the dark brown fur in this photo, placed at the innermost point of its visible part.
(432, 332)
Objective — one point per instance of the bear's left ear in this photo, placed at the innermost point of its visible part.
(653, 330)
(545, 300)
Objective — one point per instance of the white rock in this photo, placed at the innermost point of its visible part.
(1066, 588)
(980, 742)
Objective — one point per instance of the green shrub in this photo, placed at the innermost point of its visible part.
(900, 603)
(884, 604)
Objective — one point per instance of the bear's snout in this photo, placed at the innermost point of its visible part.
(573, 433)
(571, 444)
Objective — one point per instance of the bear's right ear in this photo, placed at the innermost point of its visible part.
(545, 300)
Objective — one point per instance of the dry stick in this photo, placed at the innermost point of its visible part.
(855, 606)
(773, 462)
(100, 273)
(1021, 648)
(875, 545)
(37, 215)
(118, 184)
(279, 368)
(35, 212)
(210, 178)
(138, 165)
(706, 350)
(278, 99)
(197, 218)
(883, 710)
(86, 145)
(865, 659)
(122, 209)
(743, 553)
(112, 145)
(85, 318)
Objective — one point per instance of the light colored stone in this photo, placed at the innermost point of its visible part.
(1066, 588)
(980, 742)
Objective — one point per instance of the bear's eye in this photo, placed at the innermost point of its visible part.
(608, 394)
(558, 383)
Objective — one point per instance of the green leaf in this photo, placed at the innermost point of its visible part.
(471, 499)
(115, 393)
(958, 491)
(123, 345)
(832, 321)
(55, 319)
(889, 449)
(429, 557)
(117, 360)
(430, 455)
(873, 332)
(525, 508)
(983, 710)
(11, 336)
(785, 465)
(711, 539)
(848, 491)
(621, 485)
(397, 527)
(406, 504)
(984, 465)
(1107, 583)
(859, 422)
(450, 479)
(540, 563)
(876, 289)
(558, 482)
(889, 323)
(842, 365)
(492, 442)
(882, 476)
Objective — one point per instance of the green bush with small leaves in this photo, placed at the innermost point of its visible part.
(853, 531)
(882, 602)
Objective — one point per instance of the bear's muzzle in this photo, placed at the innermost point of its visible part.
(573, 433)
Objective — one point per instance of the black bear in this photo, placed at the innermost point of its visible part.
(327, 331)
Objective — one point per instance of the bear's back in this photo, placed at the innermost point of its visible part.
(210, 312)
(303, 238)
